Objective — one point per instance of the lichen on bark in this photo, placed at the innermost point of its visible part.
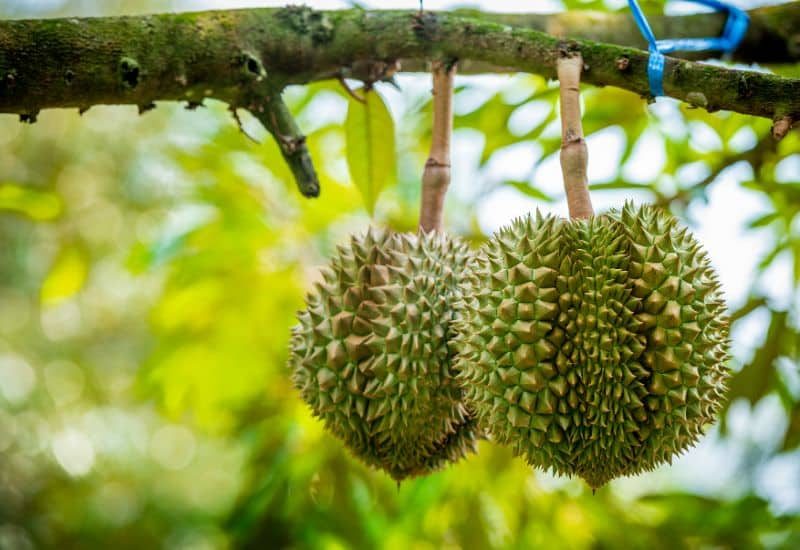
(245, 57)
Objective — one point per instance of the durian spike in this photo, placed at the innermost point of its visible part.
(436, 177)
(574, 154)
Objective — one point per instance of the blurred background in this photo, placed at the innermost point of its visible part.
(151, 267)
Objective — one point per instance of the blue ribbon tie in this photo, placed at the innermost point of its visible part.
(733, 33)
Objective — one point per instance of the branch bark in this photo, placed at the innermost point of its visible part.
(773, 35)
(436, 177)
(273, 113)
(238, 56)
(225, 55)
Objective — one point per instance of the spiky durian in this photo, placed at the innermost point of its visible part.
(593, 347)
(372, 352)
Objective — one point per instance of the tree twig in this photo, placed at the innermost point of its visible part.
(350, 90)
(781, 127)
(236, 119)
(273, 113)
(574, 154)
(436, 177)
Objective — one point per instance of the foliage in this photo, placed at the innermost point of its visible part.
(151, 267)
(369, 129)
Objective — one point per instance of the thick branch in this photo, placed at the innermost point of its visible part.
(773, 35)
(574, 154)
(224, 54)
(436, 177)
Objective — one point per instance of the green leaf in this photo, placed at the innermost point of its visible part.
(66, 277)
(369, 130)
(619, 184)
(525, 188)
(764, 220)
(796, 255)
(752, 304)
(37, 205)
(755, 380)
(792, 437)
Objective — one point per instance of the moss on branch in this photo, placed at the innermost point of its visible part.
(273, 113)
(773, 34)
(235, 55)
(228, 54)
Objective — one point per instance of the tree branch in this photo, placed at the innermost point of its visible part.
(224, 54)
(236, 55)
(773, 35)
(273, 113)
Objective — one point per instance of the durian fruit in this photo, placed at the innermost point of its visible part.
(593, 347)
(372, 353)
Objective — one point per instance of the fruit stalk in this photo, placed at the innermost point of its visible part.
(436, 177)
(574, 154)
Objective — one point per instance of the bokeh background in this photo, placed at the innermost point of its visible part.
(151, 267)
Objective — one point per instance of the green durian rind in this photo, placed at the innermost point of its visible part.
(371, 353)
(593, 347)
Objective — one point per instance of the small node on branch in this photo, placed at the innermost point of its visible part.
(239, 124)
(146, 107)
(426, 26)
(308, 21)
(370, 72)
(781, 127)
(697, 99)
(129, 72)
(29, 118)
(622, 63)
(349, 90)
(436, 177)
(743, 88)
(253, 67)
(9, 79)
(574, 154)
(273, 113)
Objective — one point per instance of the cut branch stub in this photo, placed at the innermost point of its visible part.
(574, 154)
(275, 116)
(436, 177)
(781, 127)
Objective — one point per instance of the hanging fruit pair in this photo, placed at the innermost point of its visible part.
(593, 346)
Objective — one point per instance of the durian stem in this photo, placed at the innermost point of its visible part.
(436, 177)
(574, 154)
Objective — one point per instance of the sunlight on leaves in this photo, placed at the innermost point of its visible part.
(66, 277)
(37, 205)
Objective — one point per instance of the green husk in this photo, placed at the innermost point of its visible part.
(593, 347)
(372, 353)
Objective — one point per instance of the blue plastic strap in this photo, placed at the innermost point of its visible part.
(732, 35)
